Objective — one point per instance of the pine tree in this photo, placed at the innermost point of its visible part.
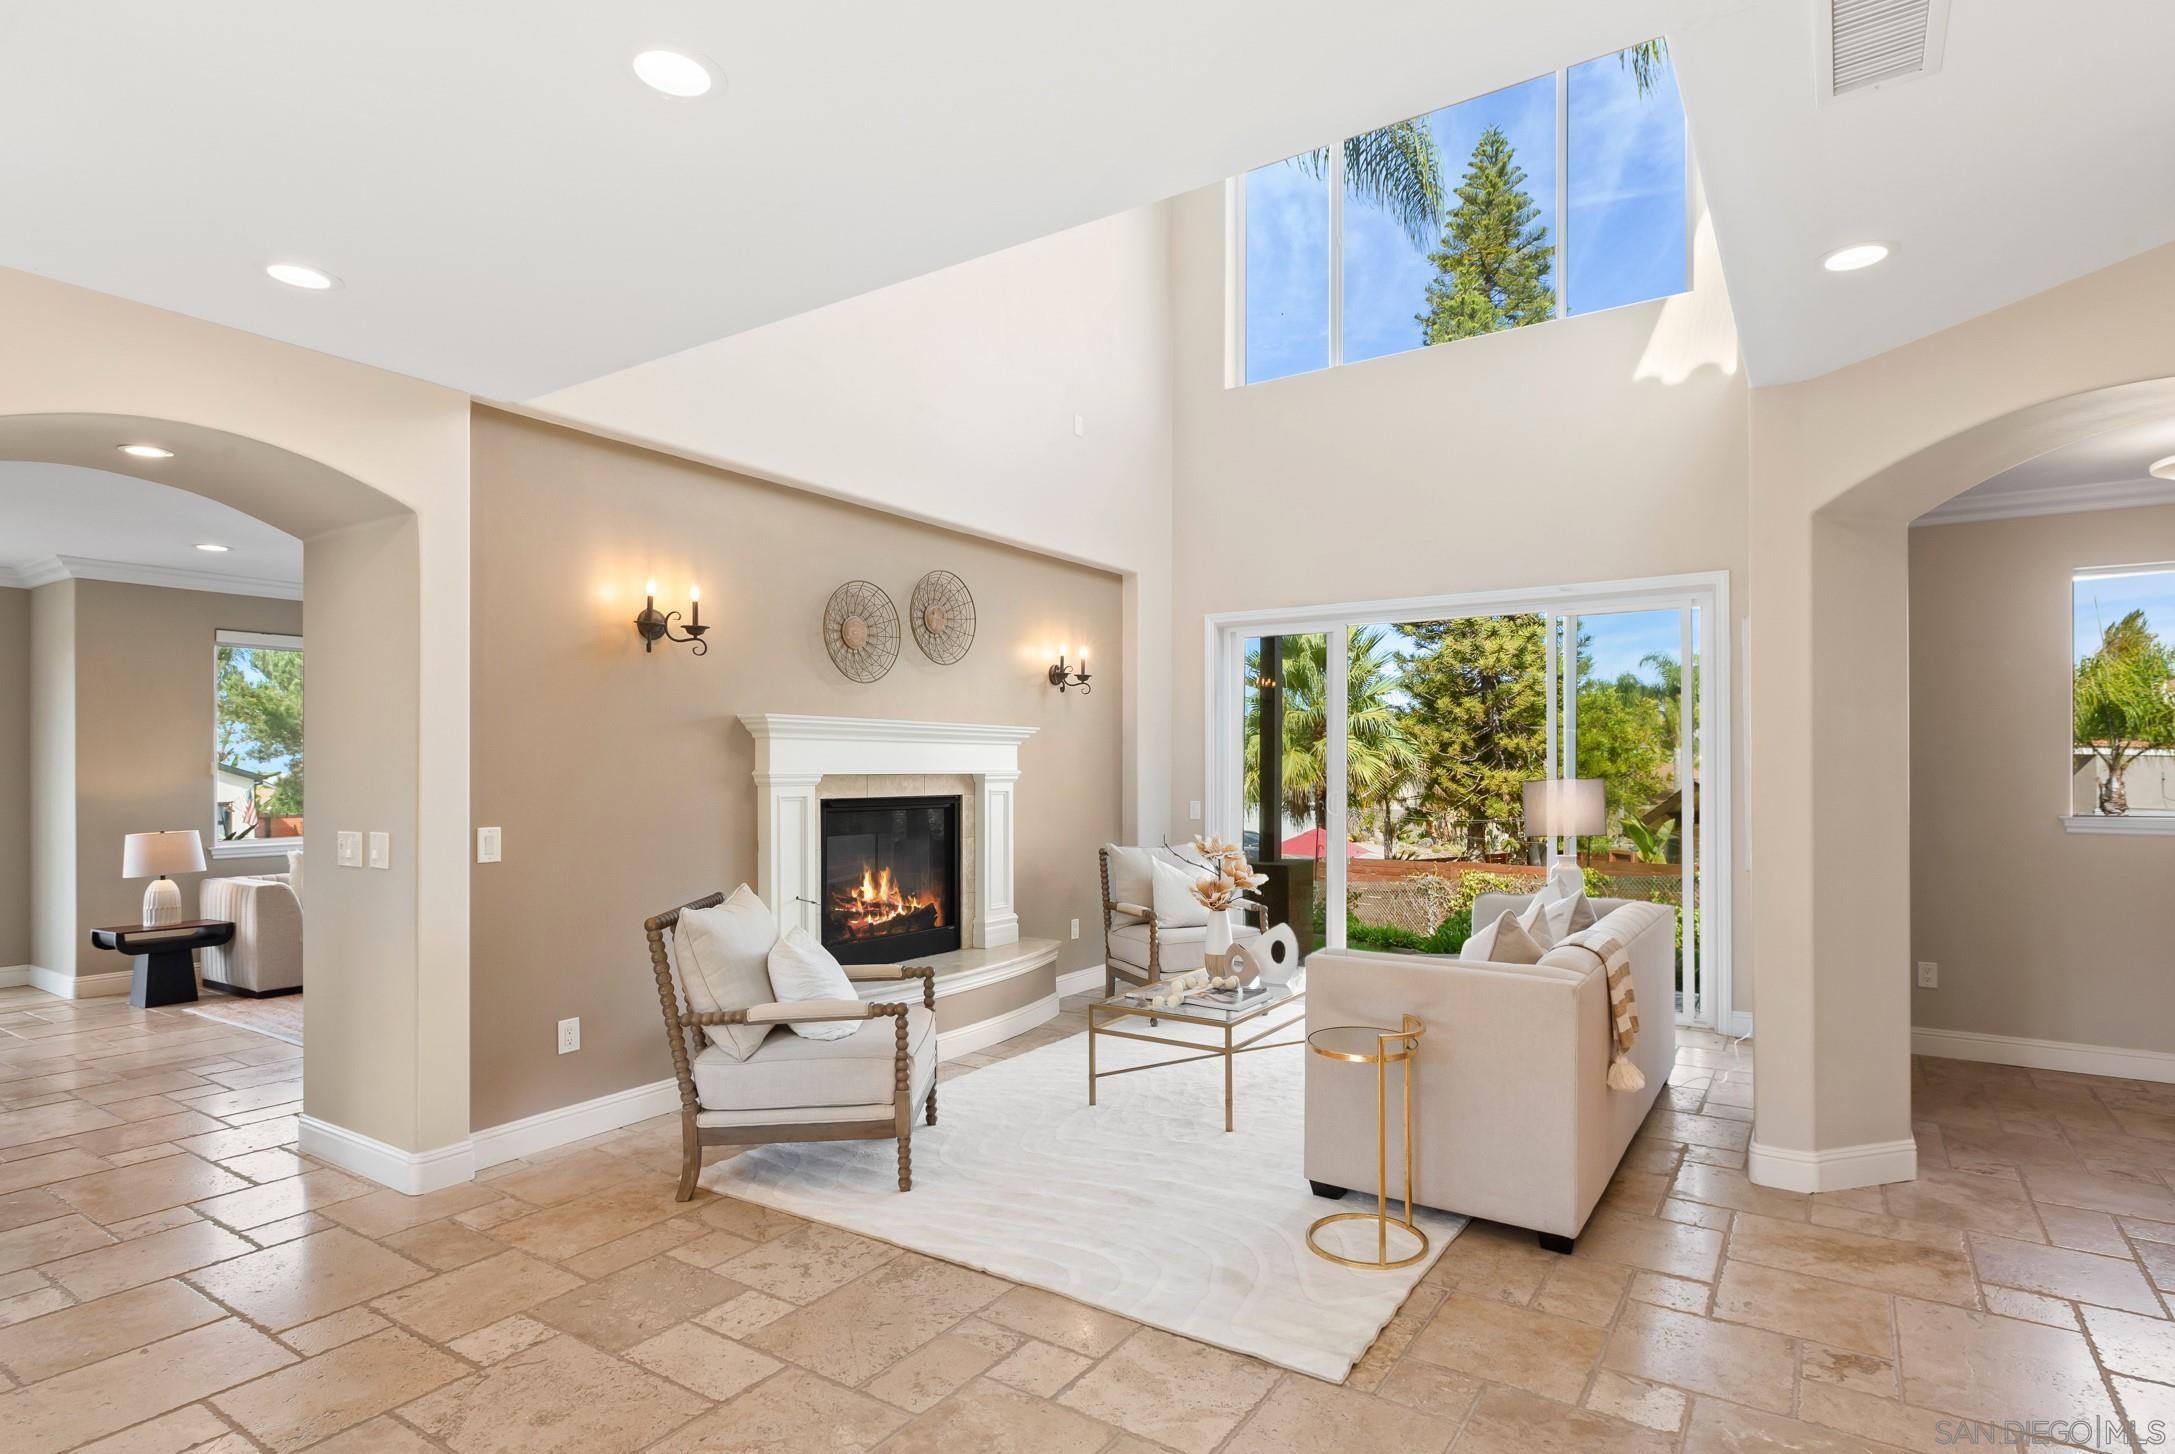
(1492, 267)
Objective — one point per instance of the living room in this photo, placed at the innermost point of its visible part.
(964, 782)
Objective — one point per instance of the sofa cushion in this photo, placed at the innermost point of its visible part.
(1182, 949)
(802, 969)
(294, 875)
(792, 1072)
(724, 956)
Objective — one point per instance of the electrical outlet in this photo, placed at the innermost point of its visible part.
(381, 850)
(570, 1035)
(1929, 975)
(1076, 928)
(1079, 426)
(487, 845)
(347, 848)
(1193, 810)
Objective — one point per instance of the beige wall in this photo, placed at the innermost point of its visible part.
(1602, 447)
(1839, 466)
(53, 777)
(14, 777)
(143, 713)
(623, 779)
(2039, 933)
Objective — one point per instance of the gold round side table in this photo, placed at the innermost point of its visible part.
(1375, 1046)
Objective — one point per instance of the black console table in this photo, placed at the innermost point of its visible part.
(165, 967)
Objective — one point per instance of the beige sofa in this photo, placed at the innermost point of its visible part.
(265, 955)
(1512, 1118)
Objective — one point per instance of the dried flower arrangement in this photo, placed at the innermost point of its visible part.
(1234, 876)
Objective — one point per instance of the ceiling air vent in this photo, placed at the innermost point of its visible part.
(1874, 42)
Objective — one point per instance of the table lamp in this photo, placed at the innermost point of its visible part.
(1571, 808)
(178, 850)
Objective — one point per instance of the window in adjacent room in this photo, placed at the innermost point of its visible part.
(257, 738)
(2122, 647)
(1561, 194)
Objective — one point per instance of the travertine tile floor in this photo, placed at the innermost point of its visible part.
(173, 1276)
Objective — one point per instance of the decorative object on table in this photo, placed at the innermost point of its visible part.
(1273, 958)
(1378, 1047)
(1233, 878)
(942, 611)
(1153, 927)
(1559, 808)
(861, 631)
(146, 854)
(1065, 679)
(165, 956)
(654, 625)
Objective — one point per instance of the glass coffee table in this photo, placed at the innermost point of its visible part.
(1241, 1028)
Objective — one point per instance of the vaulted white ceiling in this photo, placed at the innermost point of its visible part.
(512, 212)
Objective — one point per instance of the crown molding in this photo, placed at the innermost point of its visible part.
(2051, 500)
(173, 578)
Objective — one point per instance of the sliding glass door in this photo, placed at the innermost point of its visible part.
(1374, 760)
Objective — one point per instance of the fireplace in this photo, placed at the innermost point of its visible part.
(890, 885)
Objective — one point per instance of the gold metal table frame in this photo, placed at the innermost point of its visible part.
(1116, 1009)
(1346, 1042)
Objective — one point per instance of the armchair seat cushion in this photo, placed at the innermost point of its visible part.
(791, 1073)
(1183, 948)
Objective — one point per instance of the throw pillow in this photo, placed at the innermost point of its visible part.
(802, 969)
(1568, 915)
(1175, 905)
(723, 955)
(1503, 942)
(294, 875)
(1132, 879)
(1535, 923)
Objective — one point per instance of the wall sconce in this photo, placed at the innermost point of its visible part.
(1065, 680)
(655, 625)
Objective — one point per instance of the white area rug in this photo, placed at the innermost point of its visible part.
(1141, 1206)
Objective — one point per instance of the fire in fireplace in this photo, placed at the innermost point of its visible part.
(890, 878)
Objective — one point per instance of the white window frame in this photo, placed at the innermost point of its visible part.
(1235, 239)
(250, 847)
(1224, 655)
(2126, 825)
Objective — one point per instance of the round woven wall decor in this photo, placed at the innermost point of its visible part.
(861, 631)
(943, 615)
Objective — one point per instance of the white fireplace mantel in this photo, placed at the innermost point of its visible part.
(794, 753)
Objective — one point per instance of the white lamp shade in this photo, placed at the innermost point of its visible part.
(1566, 808)
(147, 855)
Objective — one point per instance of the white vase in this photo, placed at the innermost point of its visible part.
(1218, 940)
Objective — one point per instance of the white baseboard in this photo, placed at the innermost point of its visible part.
(80, 986)
(951, 1044)
(1875, 1163)
(578, 1122)
(1080, 981)
(2033, 1054)
(12, 975)
(413, 1172)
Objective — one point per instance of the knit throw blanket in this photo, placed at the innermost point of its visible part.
(1623, 1007)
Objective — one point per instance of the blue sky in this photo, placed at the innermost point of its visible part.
(2100, 601)
(1626, 239)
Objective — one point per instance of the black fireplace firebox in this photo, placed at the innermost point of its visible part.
(890, 878)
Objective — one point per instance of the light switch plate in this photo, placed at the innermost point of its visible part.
(347, 848)
(381, 850)
(487, 845)
(1193, 810)
(1076, 928)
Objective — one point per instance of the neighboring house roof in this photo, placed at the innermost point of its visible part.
(238, 771)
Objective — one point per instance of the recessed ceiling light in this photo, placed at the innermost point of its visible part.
(1857, 255)
(214, 549)
(297, 275)
(673, 73)
(2163, 469)
(146, 451)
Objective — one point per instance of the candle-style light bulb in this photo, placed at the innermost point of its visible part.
(649, 589)
(1083, 658)
(1063, 651)
(694, 604)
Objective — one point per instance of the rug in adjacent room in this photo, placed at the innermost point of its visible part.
(279, 1016)
(1141, 1206)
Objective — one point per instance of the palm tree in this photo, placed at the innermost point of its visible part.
(1399, 168)
(1380, 755)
